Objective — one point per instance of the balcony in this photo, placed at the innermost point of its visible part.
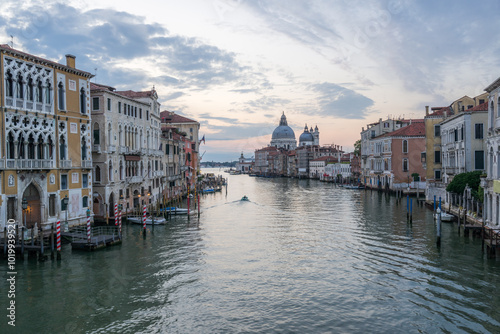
(87, 164)
(111, 148)
(96, 148)
(451, 170)
(158, 173)
(65, 164)
(122, 149)
(28, 164)
(134, 179)
(173, 177)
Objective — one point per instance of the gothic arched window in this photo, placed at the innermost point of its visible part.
(9, 85)
(30, 89)
(39, 92)
(62, 148)
(60, 95)
(83, 101)
(19, 87)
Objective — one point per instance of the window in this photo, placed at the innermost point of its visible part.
(97, 172)
(167, 149)
(85, 201)
(85, 180)
(462, 133)
(30, 89)
(135, 112)
(62, 148)
(405, 146)
(119, 107)
(83, 101)
(140, 113)
(437, 157)
(405, 165)
(64, 181)
(60, 95)
(9, 87)
(19, 87)
(109, 104)
(95, 103)
(127, 193)
(481, 101)
(52, 205)
(479, 130)
(437, 130)
(48, 97)
(437, 175)
(97, 136)
(479, 160)
(455, 132)
(39, 93)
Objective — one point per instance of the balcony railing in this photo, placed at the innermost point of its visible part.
(29, 164)
(134, 179)
(96, 148)
(158, 173)
(65, 164)
(87, 163)
(111, 148)
(123, 149)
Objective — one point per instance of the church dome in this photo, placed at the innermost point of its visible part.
(283, 131)
(306, 136)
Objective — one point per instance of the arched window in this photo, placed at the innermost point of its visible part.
(97, 176)
(83, 101)
(10, 146)
(110, 172)
(39, 92)
(30, 89)
(62, 148)
(9, 85)
(121, 170)
(50, 147)
(60, 95)
(48, 95)
(31, 147)
(19, 87)
(120, 135)
(110, 142)
(40, 145)
(498, 107)
(84, 149)
(20, 147)
(97, 139)
(405, 146)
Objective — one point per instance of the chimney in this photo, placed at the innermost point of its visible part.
(426, 110)
(70, 61)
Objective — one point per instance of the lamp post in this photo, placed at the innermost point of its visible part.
(65, 202)
(24, 205)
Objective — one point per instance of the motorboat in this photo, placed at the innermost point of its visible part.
(149, 220)
(446, 217)
(175, 210)
(245, 198)
(208, 190)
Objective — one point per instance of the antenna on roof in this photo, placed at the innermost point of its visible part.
(11, 41)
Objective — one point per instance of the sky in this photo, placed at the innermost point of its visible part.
(236, 65)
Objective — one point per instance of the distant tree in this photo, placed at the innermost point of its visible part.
(357, 147)
(460, 181)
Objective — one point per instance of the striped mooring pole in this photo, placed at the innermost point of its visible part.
(116, 214)
(120, 223)
(88, 226)
(144, 219)
(58, 239)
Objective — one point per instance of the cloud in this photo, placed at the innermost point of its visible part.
(268, 103)
(119, 43)
(341, 102)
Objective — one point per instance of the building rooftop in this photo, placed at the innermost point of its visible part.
(171, 117)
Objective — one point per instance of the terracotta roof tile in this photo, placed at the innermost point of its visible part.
(96, 86)
(415, 129)
(171, 117)
(439, 111)
(480, 107)
(135, 95)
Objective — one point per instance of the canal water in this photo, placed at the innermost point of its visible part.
(300, 257)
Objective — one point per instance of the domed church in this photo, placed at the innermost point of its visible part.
(309, 137)
(283, 135)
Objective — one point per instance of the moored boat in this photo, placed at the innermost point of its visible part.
(149, 220)
(175, 210)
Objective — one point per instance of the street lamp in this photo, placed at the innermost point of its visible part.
(65, 202)
(24, 205)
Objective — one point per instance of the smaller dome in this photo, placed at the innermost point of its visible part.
(305, 137)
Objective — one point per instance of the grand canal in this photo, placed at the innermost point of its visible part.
(301, 257)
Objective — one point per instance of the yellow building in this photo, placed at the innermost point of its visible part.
(45, 154)
(465, 102)
(433, 157)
